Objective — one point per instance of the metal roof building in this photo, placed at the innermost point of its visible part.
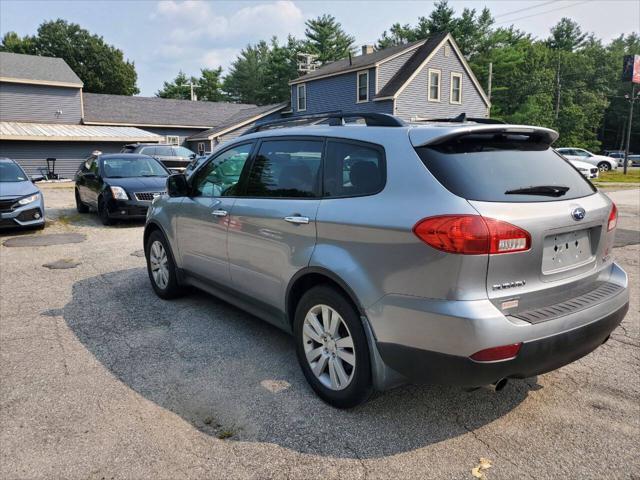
(44, 113)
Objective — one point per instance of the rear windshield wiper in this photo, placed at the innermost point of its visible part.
(547, 190)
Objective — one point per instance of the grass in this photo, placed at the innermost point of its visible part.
(632, 176)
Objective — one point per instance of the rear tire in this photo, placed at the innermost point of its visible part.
(604, 166)
(161, 267)
(332, 351)
(81, 207)
(103, 212)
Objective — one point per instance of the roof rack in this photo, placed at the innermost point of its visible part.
(462, 118)
(334, 119)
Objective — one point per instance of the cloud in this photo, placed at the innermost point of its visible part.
(190, 21)
(220, 57)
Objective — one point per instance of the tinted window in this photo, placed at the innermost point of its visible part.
(148, 151)
(485, 167)
(164, 150)
(132, 167)
(286, 168)
(10, 172)
(221, 174)
(182, 152)
(353, 169)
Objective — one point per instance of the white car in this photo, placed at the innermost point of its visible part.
(603, 162)
(586, 169)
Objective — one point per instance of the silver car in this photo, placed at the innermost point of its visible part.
(452, 253)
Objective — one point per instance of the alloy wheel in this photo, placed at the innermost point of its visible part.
(159, 264)
(329, 347)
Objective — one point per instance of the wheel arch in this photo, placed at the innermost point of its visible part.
(310, 277)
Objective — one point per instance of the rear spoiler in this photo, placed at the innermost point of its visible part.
(421, 137)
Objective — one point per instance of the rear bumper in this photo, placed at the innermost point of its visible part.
(535, 357)
(430, 340)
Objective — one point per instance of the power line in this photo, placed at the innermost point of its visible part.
(524, 9)
(542, 13)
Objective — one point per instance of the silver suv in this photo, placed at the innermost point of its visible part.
(457, 253)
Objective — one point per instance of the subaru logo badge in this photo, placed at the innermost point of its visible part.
(578, 213)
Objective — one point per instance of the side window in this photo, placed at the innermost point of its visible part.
(286, 168)
(218, 176)
(164, 151)
(353, 169)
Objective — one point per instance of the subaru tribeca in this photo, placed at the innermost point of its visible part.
(453, 253)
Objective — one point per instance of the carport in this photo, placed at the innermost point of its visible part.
(30, 144)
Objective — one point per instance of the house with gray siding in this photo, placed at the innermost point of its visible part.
(44, 113)
(422, 80)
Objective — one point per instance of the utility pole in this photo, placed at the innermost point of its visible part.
(558, 88)
(632, 100)
(192, 86)
(490, 80)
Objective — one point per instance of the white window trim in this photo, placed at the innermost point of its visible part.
(455, 75)
(203, 149)
(366, 72)
(301, 86)
(173, 140)
(429, 72)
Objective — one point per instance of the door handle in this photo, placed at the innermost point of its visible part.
(298, 220)
(219, 213)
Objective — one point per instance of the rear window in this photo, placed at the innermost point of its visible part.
(493, 168)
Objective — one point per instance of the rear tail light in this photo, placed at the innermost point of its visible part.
(613, 217)
(495, 354)
(472, 235)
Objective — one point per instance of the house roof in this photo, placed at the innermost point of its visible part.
(414, 62)
(243, 117)
(357, 62)
(19, 68)
(157, 112)
(61, 132)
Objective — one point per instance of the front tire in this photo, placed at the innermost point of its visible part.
(332, 348)
(103, 212)
(604, 166)
(161, 267)
(81, 207)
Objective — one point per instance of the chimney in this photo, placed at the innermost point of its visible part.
(367, 49)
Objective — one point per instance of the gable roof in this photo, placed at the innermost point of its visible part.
(240, 119)
(358, 62)
(33, 69)
(157, 112)
(417, 62)
(411, 65)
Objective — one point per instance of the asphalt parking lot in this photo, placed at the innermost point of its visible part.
(101, 379)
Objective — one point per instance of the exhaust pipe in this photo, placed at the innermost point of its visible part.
(500, 384)
(494, 387)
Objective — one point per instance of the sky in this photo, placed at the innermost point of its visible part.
(166, 36)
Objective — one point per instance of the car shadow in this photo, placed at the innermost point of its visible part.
(71, 217)
(236, 377)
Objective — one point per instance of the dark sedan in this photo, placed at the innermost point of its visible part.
(119, 185)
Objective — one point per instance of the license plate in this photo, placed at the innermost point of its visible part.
(566, 250)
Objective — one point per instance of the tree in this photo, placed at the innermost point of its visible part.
(566, 35)
(245, 80)
(326, 39)
(101, 67)
(178, 88)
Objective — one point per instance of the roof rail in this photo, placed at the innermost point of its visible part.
(334, 119)
(462, 118)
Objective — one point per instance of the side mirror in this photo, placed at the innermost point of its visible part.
(37, 178)
(192, 156)
(177, 185)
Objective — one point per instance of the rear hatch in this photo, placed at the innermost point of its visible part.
(514, 176)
